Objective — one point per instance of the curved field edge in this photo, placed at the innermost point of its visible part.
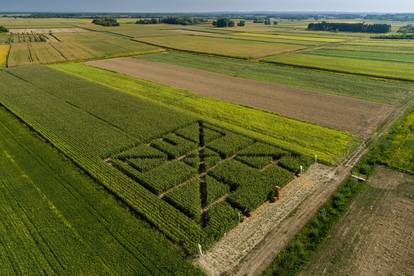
(330, 145)
(91, 228)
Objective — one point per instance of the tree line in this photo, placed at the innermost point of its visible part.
(350, 27)
(106, 21)
(174, 20)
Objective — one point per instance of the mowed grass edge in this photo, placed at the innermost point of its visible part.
(330, 145)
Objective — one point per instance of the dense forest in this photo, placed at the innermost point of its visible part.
(350, 27)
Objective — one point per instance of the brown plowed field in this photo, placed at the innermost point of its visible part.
(353, 115)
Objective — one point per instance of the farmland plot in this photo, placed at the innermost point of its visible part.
(351, 115)
(62, 46)
(330, 145)
(221, 46)
(377, 68)
(113, 141)
(361, 87)
(375, 235)
(55, 220)
(4, 51)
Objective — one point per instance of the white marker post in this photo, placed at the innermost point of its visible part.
(316, 158)
(301, 169)
(239, 216)
(200, 249)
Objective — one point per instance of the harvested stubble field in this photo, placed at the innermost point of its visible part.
(375, 237)
(351, 115)
(75, 46)
(221, 46)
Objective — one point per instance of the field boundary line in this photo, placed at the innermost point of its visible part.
(335, 71)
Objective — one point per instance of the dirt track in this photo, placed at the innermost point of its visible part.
(353, 115)
(376, 237)
(251, 247)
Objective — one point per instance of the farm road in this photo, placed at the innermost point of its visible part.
(344, 113)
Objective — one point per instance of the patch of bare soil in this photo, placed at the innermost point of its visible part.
(344, 113)
(376, 237)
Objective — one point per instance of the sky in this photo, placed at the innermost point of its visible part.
(205, 5)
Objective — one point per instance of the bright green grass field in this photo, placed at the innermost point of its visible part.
(56, 220)
(376, 90)
(330, 145)
(384, 56)
(386, 69)
(398, 148)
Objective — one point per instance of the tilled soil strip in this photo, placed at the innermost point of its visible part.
(344, 113)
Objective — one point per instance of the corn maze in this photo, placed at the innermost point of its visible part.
(212, 175)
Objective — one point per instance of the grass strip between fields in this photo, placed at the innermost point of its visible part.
(300, 250)
(330, 145)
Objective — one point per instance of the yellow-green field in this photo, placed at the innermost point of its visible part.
(4, 51)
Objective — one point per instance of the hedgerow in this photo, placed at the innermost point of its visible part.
(292, 259)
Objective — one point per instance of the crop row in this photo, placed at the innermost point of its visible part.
(174, 146)
(187, 199)
(69, 121)
(85, 219)
(220, 218)
(192, 133)
(251, 187)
